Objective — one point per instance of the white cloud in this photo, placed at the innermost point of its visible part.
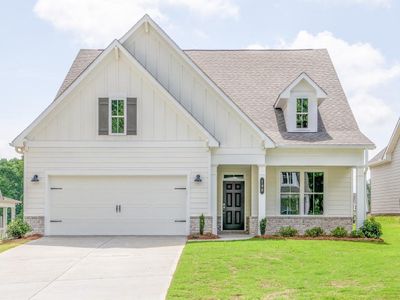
(370, 3)
(364, 73)
(222, 8)
(98, 22)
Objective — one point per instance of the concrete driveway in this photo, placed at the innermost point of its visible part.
(120, 267)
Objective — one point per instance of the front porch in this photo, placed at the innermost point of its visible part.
(245, 194)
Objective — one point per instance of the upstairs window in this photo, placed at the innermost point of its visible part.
(117, 115)
(302, 113)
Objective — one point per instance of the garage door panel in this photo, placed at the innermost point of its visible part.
(86, 205)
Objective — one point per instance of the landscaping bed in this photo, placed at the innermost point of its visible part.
(324, 237)
(206, 236)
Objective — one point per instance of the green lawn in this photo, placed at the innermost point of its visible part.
(11, 244)
(295, 269)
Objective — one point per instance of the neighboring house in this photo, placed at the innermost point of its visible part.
(5, 205)
(385, 177)
(143, 138)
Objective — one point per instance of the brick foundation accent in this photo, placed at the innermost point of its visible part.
(304, 223)
(252, 226)
(37, 223)
(195, 224)
(219, 224)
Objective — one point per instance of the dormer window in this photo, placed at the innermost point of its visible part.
(299, 102)
(302, 113)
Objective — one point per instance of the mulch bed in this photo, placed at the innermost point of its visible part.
(29, 238)
(324, 237)
(206, 236)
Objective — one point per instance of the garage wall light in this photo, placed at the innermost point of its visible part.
(198, 178)
(35, 178)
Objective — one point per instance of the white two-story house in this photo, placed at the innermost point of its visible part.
(144, 137)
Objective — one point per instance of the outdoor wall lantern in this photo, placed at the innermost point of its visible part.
(35, 178)
(198, 178)
(262, 185)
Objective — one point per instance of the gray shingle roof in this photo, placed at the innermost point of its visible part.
(253, 79)
(84, 58)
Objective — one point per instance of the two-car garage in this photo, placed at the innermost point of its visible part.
(117, 205)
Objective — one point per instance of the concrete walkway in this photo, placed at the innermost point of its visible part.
(121, 267)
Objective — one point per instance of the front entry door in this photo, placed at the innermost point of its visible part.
(233, 205)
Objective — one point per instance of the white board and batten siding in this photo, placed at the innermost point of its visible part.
(385, 185)
(66, 142)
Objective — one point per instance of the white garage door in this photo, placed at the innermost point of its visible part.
(117, 205)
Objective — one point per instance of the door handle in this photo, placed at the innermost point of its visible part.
(119, 208)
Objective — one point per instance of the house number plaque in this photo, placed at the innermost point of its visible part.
(262, 185)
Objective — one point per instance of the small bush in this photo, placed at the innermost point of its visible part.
(288, 231)
(314, 232)
(263, 226)
(371, 228)
(18, 228)
(202, 223)
(339, 232)
(357, 234)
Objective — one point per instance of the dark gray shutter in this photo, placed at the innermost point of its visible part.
(131, 109)
(103, 116)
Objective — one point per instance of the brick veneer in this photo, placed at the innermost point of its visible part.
(304, 223)
(37, 223)
(195, 224)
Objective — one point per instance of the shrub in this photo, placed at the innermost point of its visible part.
(357, 234)
(263, 225)
(339, 232)
(288, 231)
(202, 223)
(18, 228)
(371, 228)
(314, 232)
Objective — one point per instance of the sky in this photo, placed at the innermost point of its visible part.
(39, 40)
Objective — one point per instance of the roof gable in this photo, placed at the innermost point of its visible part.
(385, 155)
(148, 22)
(117, 47)
(285, 94)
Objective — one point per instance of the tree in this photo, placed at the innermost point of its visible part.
(12, 180)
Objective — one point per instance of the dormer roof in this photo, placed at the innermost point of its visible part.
(285, 94)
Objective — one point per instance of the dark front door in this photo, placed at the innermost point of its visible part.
(233, 205)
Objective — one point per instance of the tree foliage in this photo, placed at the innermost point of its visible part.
(12, 179)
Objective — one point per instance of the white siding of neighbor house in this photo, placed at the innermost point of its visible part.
(385, 186)
(337, 190)
(67, 141)
(191, 90)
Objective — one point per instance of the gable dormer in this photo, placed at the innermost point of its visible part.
(299, 103)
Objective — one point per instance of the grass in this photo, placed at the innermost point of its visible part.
(291, 269)
(6, 245)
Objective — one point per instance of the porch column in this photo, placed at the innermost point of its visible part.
(261, 194)
(361, 195)
(12, 213)
(213, 198)
(4, 219)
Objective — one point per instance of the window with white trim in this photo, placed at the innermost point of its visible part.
(313, 193)
(118, 116)
(298, 199)
(290, 193)
(302, 113)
